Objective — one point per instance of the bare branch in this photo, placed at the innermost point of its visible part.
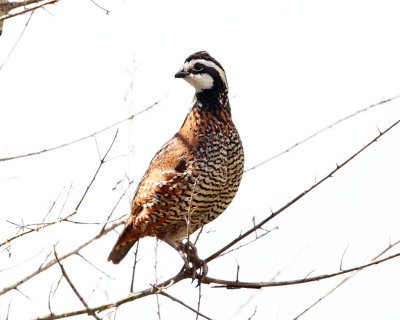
(43, 268)
(8, 310)
(134, 265)
(47, 224)
(22, 3)
(163, 293)
(322, 130)
(254, 313)
(198, 302)
(157, 289)
(16, 42)
(114, 304)
(258, 237)
(343, 281)
(98, 269)
(258, 285)
(99, 6)
(341, 260)
(80, 139)
(64, 273)
(156, 277)
(119, 200)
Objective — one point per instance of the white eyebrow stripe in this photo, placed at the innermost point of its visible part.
(189, 65)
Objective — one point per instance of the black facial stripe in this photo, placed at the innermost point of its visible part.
(205, 56)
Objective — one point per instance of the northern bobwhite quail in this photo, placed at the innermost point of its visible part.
(194, 177)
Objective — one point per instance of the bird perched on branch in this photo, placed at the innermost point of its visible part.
(194, 177)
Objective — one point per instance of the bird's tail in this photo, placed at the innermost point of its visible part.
(122, 247)
(118, 253)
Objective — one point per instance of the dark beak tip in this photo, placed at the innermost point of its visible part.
(181, 74)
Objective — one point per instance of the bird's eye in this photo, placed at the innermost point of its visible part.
(198, 67)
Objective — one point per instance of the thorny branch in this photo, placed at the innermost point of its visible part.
(258, 285)
(47, 224)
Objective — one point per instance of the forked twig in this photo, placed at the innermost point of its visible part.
(154, 289)
(65, 275)
(47, 224)
(258, 285)
(43, 268)
(343, 281)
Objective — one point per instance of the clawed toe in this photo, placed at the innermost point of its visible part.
(189, 255)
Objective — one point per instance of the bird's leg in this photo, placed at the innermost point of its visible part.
(178, 247)
(188, 252)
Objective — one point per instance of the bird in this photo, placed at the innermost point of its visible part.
(195, 175)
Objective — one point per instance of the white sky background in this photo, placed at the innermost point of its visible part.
(293, 68)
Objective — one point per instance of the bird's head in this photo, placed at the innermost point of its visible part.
(203, 72)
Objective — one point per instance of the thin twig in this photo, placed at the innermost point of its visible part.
(8, 310)
(98, 269)
(343, 281)
(254, 313)
(99, 6)
(249, 242)
(43, 268)
(322, 130)
(341, 260)
(163, 293)
(184, 274)
(258, 285)
(80, 139)
(155, 289)
(17, 41)
(119, 200)
(47, 224)
(65, 275)
(134, 265)
(156, 278)
(198, 302)
(198, 235)
(10, 15)
(52, 205)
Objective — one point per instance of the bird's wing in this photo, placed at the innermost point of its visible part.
(164, 185)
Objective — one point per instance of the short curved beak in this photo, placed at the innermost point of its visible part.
(181, 74)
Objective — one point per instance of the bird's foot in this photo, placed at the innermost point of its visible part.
(188, 252)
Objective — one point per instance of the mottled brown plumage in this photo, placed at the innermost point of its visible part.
(196, 174)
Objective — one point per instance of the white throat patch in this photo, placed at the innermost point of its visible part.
(200, 81)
